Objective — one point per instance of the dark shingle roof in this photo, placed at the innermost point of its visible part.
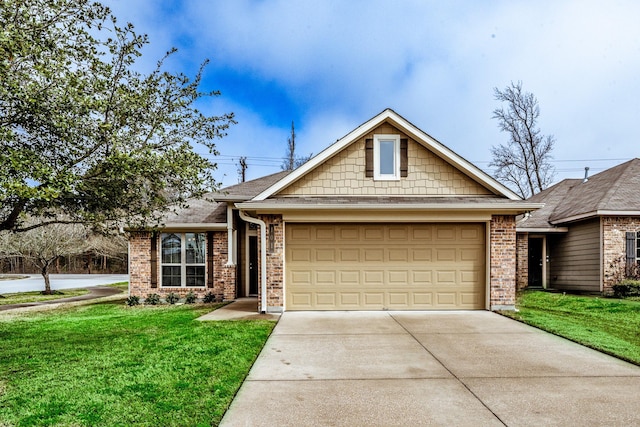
(615, 189)
(199, 211)
(250, 189)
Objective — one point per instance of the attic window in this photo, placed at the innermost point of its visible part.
(386, 157)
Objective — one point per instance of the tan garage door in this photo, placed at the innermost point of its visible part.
(384, 266)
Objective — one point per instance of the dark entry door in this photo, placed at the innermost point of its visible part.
(535, 262)
(253, 265)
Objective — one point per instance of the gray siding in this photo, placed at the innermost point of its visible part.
(574, 261)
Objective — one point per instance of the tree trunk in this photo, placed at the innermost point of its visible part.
(47, 284)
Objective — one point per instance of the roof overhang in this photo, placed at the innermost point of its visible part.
(594, 214)
(548, 230)
(514, 208)
(195, 226)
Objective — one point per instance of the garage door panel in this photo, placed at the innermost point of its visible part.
(420, 255)
(373, 300)
(349, 300)
(373, 255)
(384, 266)
(398, 277)
(325, 277)
(445, 254)
(325, 299)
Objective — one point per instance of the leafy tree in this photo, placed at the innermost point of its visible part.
(44, 245)
(524, 162)
(85, 137)
(291, 161)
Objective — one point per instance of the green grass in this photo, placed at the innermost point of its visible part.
(608, 325)
(36, 296)
(106, 364)
(123, 286)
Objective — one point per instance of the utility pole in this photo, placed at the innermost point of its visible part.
(242, 168)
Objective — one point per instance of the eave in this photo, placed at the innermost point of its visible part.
(594, 214)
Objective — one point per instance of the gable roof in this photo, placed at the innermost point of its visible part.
(415, 133)
(611, 192)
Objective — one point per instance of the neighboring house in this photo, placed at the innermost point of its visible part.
(586, 231)
(384, 218)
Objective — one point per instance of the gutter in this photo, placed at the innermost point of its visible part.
(263, 257)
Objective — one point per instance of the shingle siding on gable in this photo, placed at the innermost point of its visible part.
(575, 258)
(344, 174)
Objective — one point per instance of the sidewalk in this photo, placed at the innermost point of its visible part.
(240, 309)
(95, 292)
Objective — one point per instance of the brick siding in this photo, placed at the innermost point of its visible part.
(522, 261)
(502, 262)
(275, 264)
(614, 229)
(224, 286)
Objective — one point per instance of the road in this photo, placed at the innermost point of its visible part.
(60, 281)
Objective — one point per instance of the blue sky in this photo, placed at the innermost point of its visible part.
(331, 65)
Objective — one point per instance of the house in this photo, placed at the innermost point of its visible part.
(384, 218)
(586, 232)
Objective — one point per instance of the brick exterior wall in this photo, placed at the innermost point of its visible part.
(522, 261)
(502, 262)
(275, 264)
(139, 263)
(614, 245)
(140, 269)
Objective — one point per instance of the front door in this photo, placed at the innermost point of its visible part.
(535, 262)
(253, 265)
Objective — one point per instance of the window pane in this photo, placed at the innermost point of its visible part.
(170, 248)
(387, 158)
(170, 276)
(195, 247)
(195, 276)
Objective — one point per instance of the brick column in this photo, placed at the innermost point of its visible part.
(522, 261)
(502, 286)
(139, 263)
(275, 263)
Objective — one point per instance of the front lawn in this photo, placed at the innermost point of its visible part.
(608, 325)
(106, 364)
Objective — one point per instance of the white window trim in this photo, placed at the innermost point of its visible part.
(183, 263)
(377, 176)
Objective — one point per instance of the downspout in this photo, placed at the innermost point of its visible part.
(263, 257)
(230, 245)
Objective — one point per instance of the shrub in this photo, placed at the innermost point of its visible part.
(132, 300)
(627, 288)
(152, 299)
(172, 298)
(190, 298)
(209, 297)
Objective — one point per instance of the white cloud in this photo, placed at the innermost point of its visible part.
(436, 63)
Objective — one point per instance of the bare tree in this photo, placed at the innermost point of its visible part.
(43, 245)
(524, 162)
(291, 161)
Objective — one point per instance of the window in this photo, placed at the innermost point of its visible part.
(183, 259)
(386, 157)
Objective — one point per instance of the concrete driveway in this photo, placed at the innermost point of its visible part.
(430, 368)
